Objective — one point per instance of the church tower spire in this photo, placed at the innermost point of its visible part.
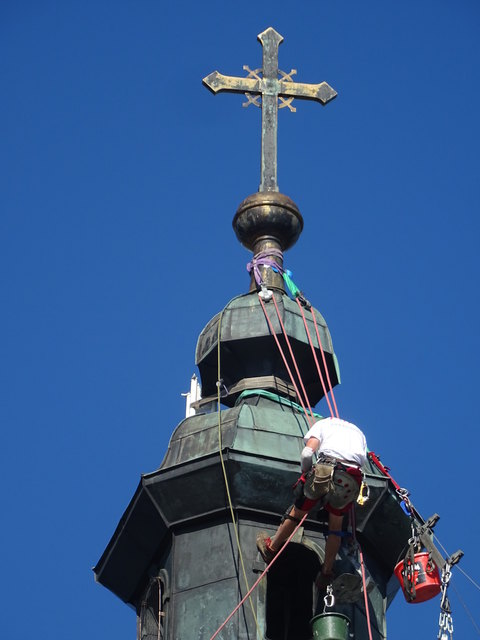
(183, 554)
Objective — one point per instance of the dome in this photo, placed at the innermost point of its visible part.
(250, 357)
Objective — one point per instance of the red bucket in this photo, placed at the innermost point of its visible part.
(426, 576)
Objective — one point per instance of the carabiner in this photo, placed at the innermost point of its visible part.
(329, 598)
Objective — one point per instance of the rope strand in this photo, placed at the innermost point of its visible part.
(225, 478)
(325, 364)
(325, 392)
(353, 522)
(467, 611)
(365, 594)
(272, 330)
(307, 401)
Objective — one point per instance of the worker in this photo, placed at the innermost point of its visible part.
(335, 480)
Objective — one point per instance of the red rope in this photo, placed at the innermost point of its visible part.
(261, 576)
(362, 565)
(272, 330)
(325, 392)
(365, 595)
(287, 340)
(325, 363)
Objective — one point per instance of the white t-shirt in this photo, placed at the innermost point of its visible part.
(339, 439)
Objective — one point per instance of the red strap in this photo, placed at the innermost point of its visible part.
(376, 460)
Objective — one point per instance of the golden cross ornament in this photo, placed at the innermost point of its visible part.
(276, 89)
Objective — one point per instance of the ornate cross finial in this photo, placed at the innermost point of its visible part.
(272, 86)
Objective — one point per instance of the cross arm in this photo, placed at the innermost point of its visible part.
(322, 92)
(216, 82)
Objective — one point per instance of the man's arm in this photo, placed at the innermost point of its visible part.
(307, 453)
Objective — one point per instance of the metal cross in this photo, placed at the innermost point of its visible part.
(272, 89)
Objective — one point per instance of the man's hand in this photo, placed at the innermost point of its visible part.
(306, 458)
(298, 487)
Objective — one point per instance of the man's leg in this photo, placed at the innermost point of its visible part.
(286, 529)
(270, 547)
(333, 543)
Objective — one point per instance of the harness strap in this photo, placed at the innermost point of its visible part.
(340, 534)
(344, 465)
(287, 516)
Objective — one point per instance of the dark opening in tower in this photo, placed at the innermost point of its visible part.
(290, 593)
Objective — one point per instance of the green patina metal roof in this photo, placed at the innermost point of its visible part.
(261, 439)
(248, 350)
(260, 426)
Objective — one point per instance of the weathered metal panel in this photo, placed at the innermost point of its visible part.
(268, 415)
(248, 350)
(207, 581)
(193, 490)
(204, 554)
(198, 613)
(198, 436)
(275, 445)
(260, 484)
(243, 318)
(132, 548)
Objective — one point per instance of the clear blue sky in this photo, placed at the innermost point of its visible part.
(120, 175)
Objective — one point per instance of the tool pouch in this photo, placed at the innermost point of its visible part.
(319, 481)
